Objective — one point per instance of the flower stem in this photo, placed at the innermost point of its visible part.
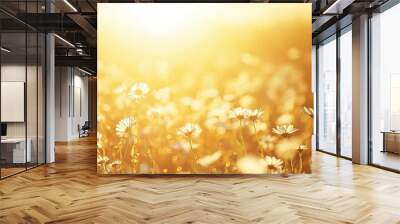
(301, 162)
(256, 135)
(104, 168)
(241, 137)
(291, 165)
(255, 128)
(194, 165)
(191, 144)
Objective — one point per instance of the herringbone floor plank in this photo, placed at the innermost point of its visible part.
(70, 191)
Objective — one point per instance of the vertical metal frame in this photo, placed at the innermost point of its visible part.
(26, 86)
(369, 77)
(44, 79)
(73, 91)
(316, 111)
(0, 93)
(338, 76)
(37, 90)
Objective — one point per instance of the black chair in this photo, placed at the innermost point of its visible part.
(84, 130)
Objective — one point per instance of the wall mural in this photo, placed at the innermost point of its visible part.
(204, 88)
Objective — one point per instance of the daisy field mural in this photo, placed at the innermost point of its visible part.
(204, 89)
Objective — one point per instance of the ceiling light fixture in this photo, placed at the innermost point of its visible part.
(5, 50)
(70, 5)
(79, 51)
(84, 71)
(337, 7)
(65, 41)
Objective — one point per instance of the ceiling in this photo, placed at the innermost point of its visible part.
(75, 22)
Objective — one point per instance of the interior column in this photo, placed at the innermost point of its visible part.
(360, 90)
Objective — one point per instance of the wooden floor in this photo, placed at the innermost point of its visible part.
(69, 191)
(5, 172)
(386, 159)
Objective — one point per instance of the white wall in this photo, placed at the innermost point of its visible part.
(12, 73)
(33, 127)
(80, 103)
(71, 94)
(62, 81)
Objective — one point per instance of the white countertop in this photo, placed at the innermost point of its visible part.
(13, 140)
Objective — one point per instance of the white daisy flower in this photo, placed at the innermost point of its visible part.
(240, 113)
(138, 91)
(190, 130)
(284, 129)
(124, 126)
(255, 115)
(273, 165)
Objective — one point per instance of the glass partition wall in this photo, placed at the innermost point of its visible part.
(22, 88)
(334, 94)
(13, 89)
(385, 89)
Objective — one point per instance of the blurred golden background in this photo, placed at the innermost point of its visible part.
(204, 88)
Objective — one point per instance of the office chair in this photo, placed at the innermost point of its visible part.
(84, 130)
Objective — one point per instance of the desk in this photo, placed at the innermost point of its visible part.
(13, 150)
(391, 141)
